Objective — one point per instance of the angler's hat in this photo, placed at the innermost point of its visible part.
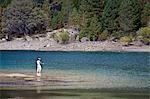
(39, 58)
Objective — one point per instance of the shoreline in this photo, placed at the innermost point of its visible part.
(123, 51)
(51, 45)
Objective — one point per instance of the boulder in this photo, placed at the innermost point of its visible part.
(19, 39)
(72, 38)
(8, 37)
(73, 30)
(137, 43)
(77, 38)
(28, 38)
(3, 39)
(85, 39)
(49, 30)
(114, 39)
(50, 34)
(145, 42)
(42, 38)
(57, 38)
(47, 45)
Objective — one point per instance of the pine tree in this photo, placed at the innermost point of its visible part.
(129, 15)
(74, 18)
(39, 3)
(1, 11)
(66, 10)
(110, 15)
(60, 12)
(145, 14)
(76, 4)
(46, 9)
(90, 11)
(5, 3)
(57, 21)
(94, 29)
(91, 8)
(91, 29)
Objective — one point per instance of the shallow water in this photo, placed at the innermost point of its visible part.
(106, 69)
(79, 70)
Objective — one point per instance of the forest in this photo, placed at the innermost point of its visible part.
(98, 20)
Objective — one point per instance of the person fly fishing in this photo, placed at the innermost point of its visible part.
(39, 64)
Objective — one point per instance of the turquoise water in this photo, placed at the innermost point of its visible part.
(105, 69)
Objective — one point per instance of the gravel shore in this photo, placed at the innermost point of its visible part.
(51, 45)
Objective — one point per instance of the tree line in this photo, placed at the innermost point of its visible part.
(96, 19)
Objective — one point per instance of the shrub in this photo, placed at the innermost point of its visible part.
(144, 35)
(146, 41)
(64, 37)
(126, 40)
(144, 32)
(83, 33)
(117, 34)
(103, 36)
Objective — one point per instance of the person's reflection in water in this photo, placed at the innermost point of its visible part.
(38, 88)
(38, 78)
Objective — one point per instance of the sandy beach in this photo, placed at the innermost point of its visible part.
(51, 45)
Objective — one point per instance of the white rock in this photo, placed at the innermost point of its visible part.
(3, 39)
(84, 39)
(28, 38)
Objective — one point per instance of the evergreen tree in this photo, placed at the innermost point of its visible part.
(57, 20)
(94, 29)
(90, 11)
(46, 7)
(4, 3)
(90, 8)
(110, 15)
(76, 4)
(46, 10)
(130, 15)
(39, 3)
(74, 18)
(91, 29)
(146, 14)
(66, 10)
(60, 14)
(143, 3)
